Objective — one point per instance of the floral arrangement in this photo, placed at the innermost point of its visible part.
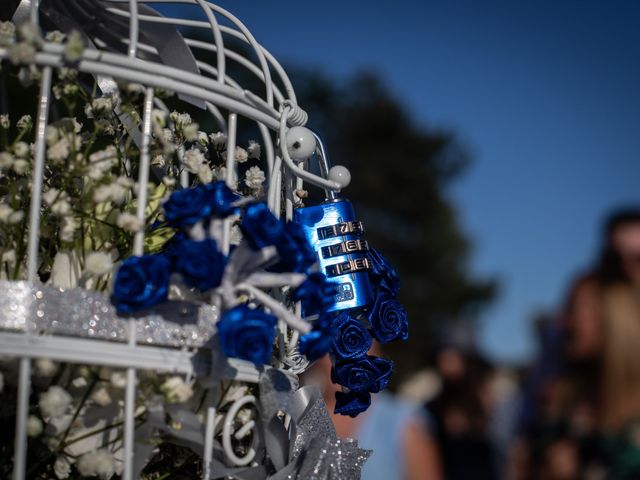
(88, 224)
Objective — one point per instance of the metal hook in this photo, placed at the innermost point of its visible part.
(324, 164)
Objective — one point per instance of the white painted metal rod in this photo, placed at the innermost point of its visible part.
(38, 173)
(118, 355)
(24, 389)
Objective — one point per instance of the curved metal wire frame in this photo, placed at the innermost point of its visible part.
(274, 111)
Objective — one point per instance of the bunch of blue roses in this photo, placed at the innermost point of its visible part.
(386, 321)
(274, 254)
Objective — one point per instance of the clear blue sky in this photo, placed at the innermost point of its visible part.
(545, 94)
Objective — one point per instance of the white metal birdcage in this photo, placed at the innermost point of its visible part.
(129, 41)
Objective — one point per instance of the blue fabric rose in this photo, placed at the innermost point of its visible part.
(188, 206)
(388, 319)
(200, 263)
(247, 333)
(294, 250)
(316, 294)
(260, 227)
(140, 283)
(352, 403)
(383, 275)
(364, 374)
(222, 199)
(317, 343)
(352, 339)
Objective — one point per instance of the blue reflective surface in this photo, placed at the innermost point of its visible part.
(352, 289)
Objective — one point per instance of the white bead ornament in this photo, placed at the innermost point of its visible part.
(340, 175)
(301, 143)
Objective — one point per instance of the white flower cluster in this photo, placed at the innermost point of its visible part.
(99, 464)
(176, 390)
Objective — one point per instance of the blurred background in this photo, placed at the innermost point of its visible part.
(494, 153)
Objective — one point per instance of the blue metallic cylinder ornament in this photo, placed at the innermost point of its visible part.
(336, 235)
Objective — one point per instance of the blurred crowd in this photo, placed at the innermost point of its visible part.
(573, 413)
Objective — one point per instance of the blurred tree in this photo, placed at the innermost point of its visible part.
(400, 171)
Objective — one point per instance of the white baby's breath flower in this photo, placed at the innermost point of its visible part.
(254, 178)
(20, 166)
(135, 88)
(193, 160)
(129, 222)
(98, 263)
(6, 160)
(55, 36)
(61, 208)
(88, 111)
(176, 390)
(159, 117)
(58, 202)
(218, 140)
(205, 174)
(29, 32)
(180, 119)
(74, 47)
(244, 416)
(25, 122)
(8, 257)
(5, 212)
(241, 155)
(62, 468)
(22, 52)
(65, 73)
(114, 192)
(254, 150)
(70, 90)
(190, 132)
(45, 367)
(15, 217)
(125, 182)
(59, 151)
(101, 162)
(79, 382)
(97, 464)
(10, 216)
(167, 135)
(158, 161)
(34, 426)
(7, 33)
(68, 227)
(21, 149)
(118, 380)
(51, 135)
(105, 125)
(77, 126)
(101, 397)
(202, 138)
(54, 402)
(102, 106)
(4, 121)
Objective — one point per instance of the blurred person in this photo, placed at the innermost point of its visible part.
(397, 431)
(588, 424)
(620, 256)
(462, 413)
